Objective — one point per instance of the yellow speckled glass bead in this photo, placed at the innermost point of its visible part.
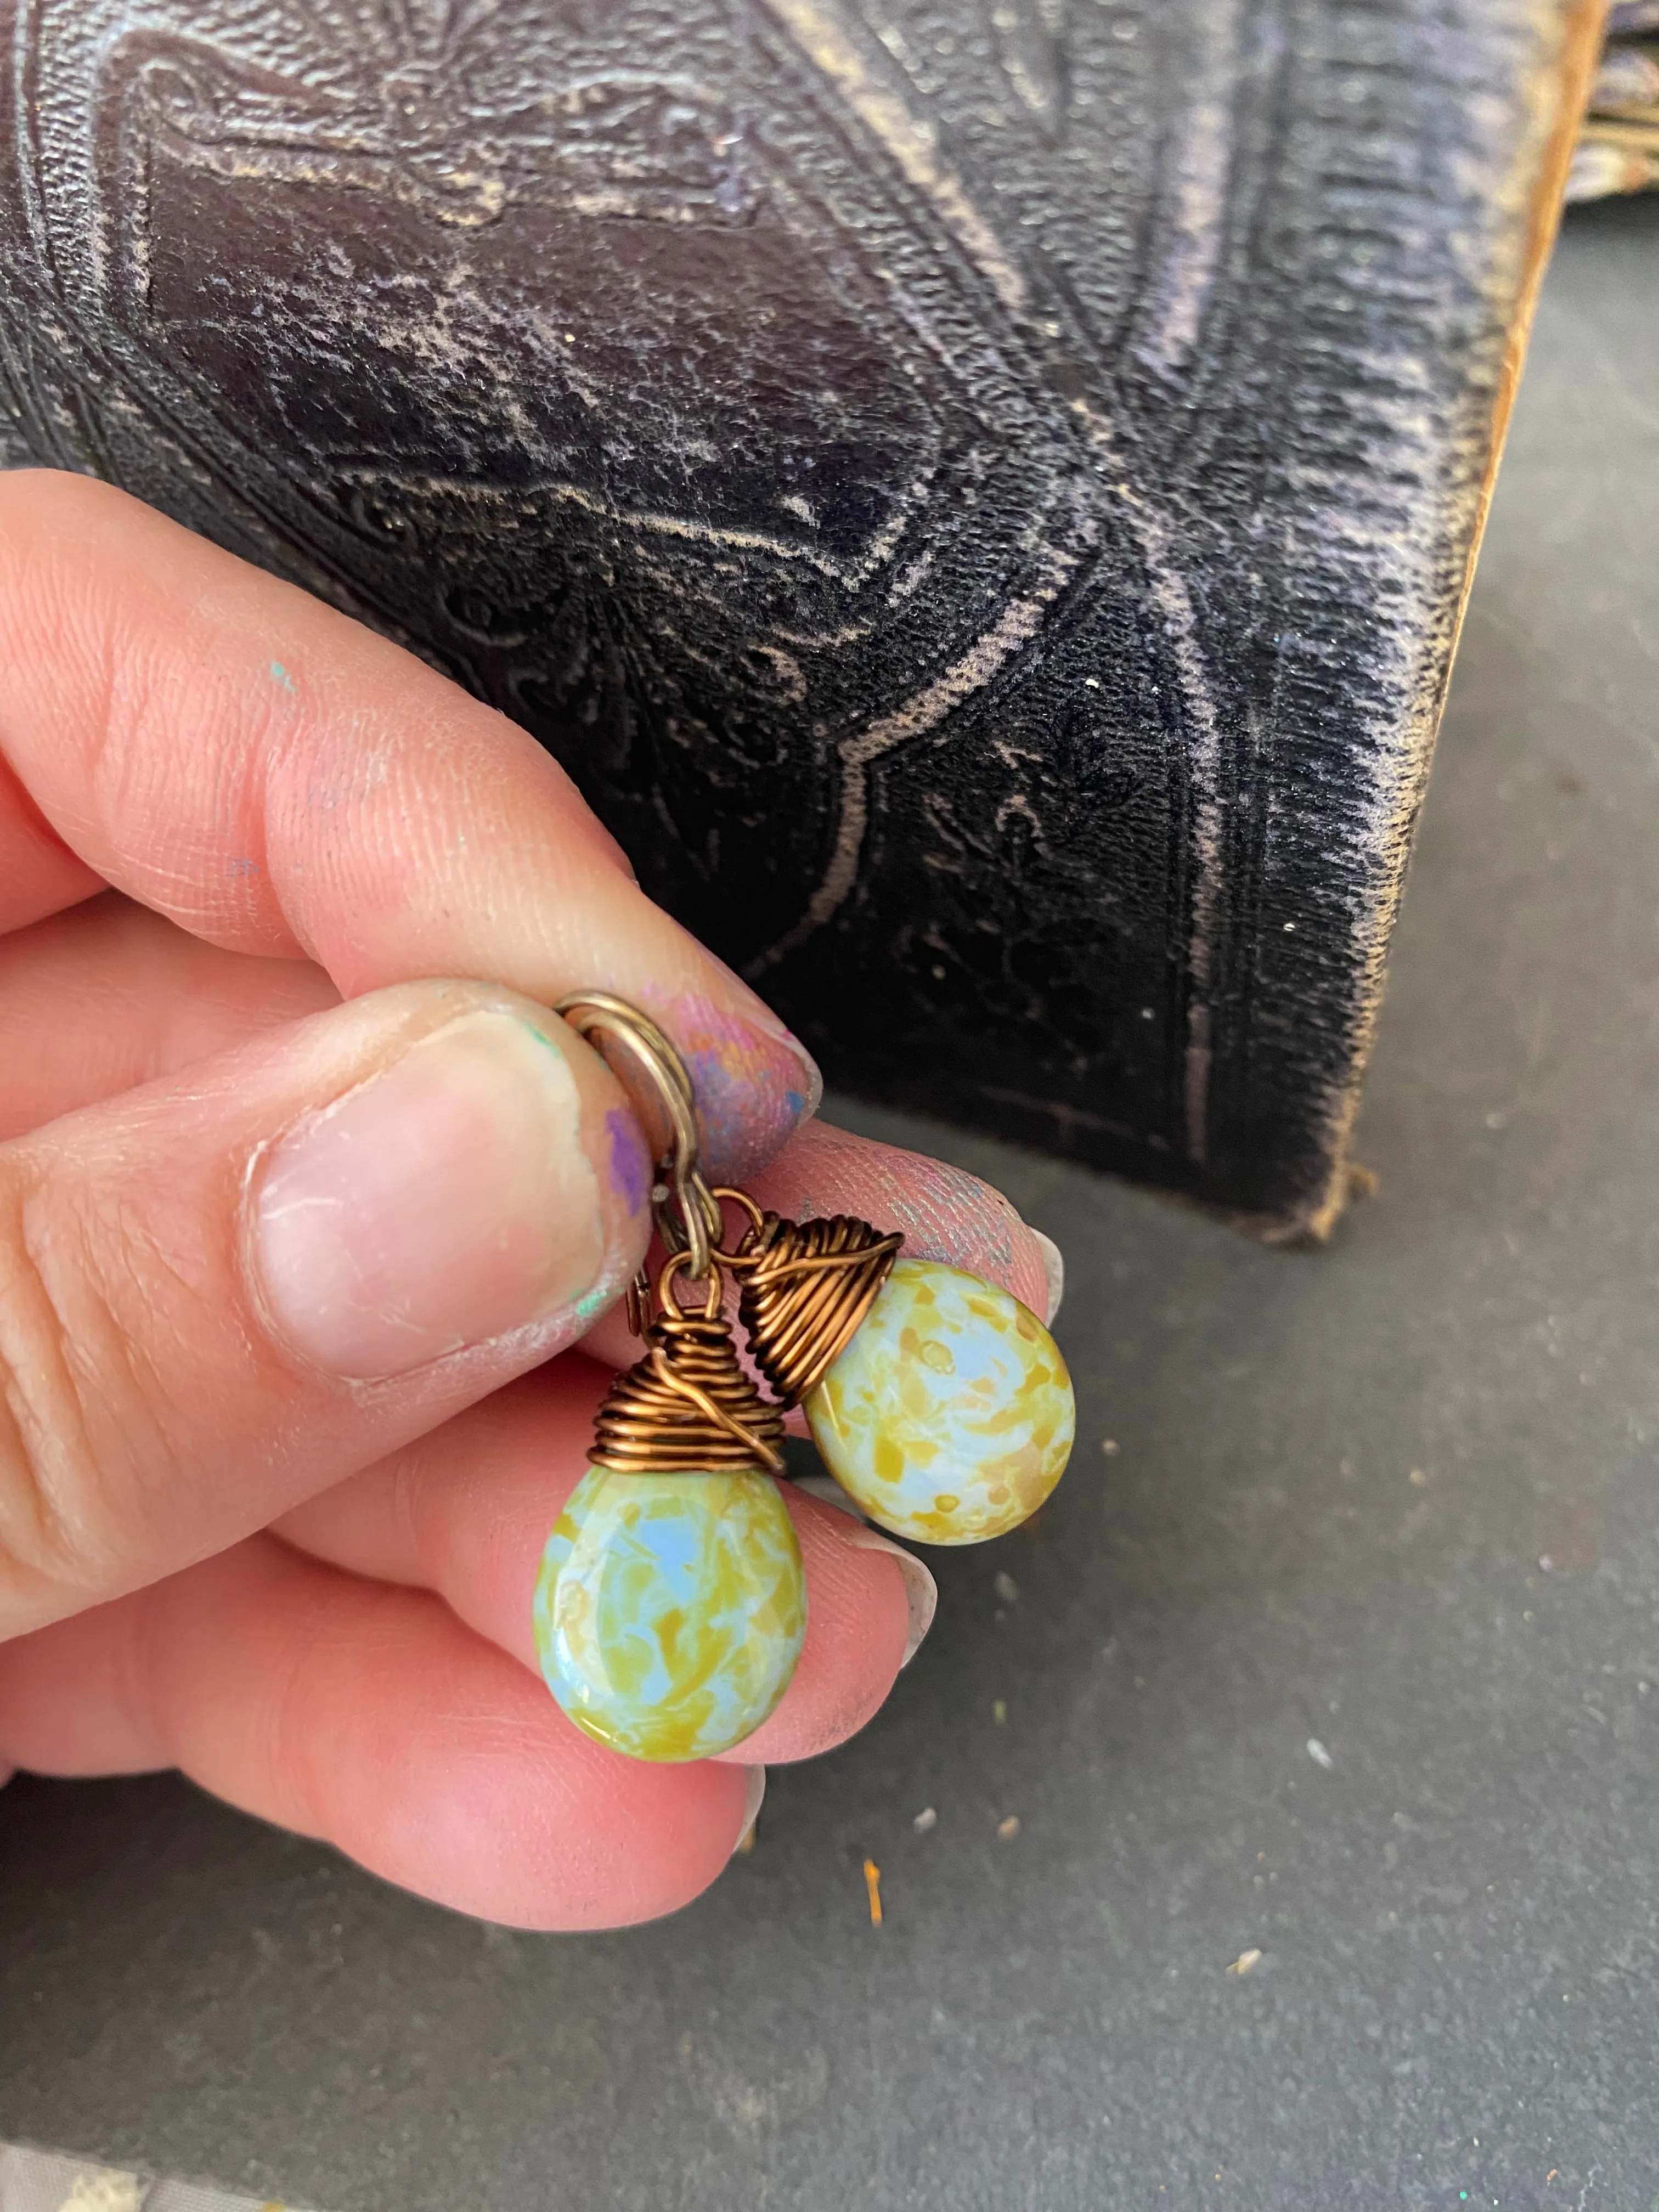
(671, 1609)
(949, 1417)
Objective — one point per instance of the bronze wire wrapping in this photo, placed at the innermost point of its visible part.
(804, 1287)
(687, 1407)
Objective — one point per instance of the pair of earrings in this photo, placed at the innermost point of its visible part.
(671, 1607)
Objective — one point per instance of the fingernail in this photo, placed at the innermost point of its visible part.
(755, 1082)
(1053, 1269)
(447, 1201)
(942, 1211)
(829, 1491)
(756, 1790)
(920, 1591)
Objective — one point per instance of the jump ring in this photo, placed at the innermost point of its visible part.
(695, 1224)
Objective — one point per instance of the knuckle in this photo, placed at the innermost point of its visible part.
(71, 1398)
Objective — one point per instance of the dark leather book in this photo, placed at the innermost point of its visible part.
(978, 493)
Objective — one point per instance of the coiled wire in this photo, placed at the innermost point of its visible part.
(804, 1287)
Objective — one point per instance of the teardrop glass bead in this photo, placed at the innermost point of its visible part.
(671, 1609)
(949, 1417)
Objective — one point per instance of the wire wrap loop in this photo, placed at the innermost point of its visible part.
(687, 1407)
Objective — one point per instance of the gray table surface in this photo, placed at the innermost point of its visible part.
(1395, 1499)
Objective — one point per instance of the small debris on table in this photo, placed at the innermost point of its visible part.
(1320, 1756)
(927, 1818)
(1244, 1962)
(1009, 1827)
(1108, 1447)
(1000, 1711)
(872, 1889)
(1417, 1480)
(1005, 1587)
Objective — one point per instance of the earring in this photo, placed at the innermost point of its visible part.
(671, 1606)
(940, 1403)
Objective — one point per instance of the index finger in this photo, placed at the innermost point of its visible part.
(278, 779)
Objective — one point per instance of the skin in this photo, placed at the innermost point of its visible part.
(225, 810)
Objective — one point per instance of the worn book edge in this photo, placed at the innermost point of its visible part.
(1559, 95)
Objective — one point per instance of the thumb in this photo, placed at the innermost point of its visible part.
(222, 1293)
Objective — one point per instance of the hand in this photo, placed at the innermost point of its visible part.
(282, 1279)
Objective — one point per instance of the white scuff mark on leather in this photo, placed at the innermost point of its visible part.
(1016, 626)
(1175, 604)
(910, 139)
(526, 498)
(1202, 158)
(1202, 731)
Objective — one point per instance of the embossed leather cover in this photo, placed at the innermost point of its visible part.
(978, 493)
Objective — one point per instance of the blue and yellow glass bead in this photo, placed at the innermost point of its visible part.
(671, 1607)
(949, 1417)
(940, 1403)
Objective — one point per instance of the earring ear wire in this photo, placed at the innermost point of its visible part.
(687, 1214)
